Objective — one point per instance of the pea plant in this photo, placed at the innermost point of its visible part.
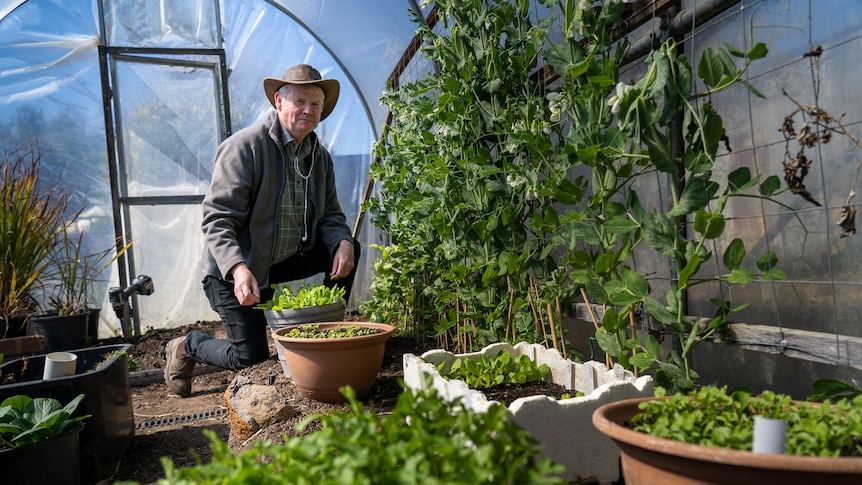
(502, 370)
(505, 200)
(658, 126)
(469, 178)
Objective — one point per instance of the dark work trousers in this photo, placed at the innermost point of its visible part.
(246, 326)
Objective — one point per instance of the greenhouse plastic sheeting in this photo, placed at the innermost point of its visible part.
(51, 92)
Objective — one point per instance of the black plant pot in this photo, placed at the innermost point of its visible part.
(53, 461)
(13, 327)
(64, 332)
(93, 325)
(102, 375)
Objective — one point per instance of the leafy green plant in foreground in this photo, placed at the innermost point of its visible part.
(25, 421)
(712, 416)
(484, 373)
(307, 296)
(423, 441)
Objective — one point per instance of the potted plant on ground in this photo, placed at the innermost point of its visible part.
(706, 436)
(72, 318)
(324, 357)
(39, 432)
(44, 264)
(309, 304)
(31, 218)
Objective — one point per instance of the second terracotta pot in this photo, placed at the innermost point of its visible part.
(321, 366)
(648, 460)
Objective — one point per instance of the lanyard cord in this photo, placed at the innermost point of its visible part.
(305, 179)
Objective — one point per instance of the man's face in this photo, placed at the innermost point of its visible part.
(299, 108)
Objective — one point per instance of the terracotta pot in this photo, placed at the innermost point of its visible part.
(320, 366)
(278, 319)
(650, 460)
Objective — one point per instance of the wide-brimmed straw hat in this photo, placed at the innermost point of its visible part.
(304, 74)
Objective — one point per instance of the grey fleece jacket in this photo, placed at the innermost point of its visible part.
(240, 207)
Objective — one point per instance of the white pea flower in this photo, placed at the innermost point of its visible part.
(515, 180)
(615, 100)
(557, 103)
(512, 147)
(532, 193)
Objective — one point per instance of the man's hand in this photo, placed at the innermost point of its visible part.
(342, 263)
(245, 285)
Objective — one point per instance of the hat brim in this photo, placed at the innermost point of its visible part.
(331, 88)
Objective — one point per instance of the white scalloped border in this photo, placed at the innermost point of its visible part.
(564, 426)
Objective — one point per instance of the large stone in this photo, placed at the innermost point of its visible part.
(252, 407)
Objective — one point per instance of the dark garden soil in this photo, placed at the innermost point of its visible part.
(167, 425)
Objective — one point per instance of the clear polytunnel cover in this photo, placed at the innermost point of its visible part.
(170, 80)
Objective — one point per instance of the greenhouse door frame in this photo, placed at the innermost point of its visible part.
(117, 163)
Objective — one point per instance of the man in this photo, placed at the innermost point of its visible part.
(270, 215)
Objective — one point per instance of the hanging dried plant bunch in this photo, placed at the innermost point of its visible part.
(817, 129)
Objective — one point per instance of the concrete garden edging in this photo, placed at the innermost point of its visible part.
(563, 426)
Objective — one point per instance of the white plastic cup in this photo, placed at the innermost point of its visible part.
(769, 435)
(59, 364)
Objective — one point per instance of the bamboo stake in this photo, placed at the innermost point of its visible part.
(608, 362)
(590, 308)
(562, 335)
(509, 315)
(536, 317)
(540, 322)
(457, 322)
(553, 326)
(634, 335)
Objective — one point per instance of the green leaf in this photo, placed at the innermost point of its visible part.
(770, 186)
(676, 374)
(708, 224)
(694, 196)
(658, 233)
(711, 68)
(740, 276)
(582, 231)
(767, 261)
(689, 270)
(758, 51)
(659, 312)
(608, 343)
(597, 292)
(642, 360)
(734, 254)
(832, 389)
(740, 179)
(753, 90)
(620, 226)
